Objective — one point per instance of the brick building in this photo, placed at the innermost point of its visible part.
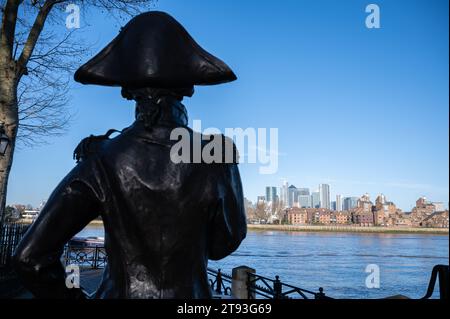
(385, 212)
(297, 216)
(422, 211)
(341, 218)
(436, 220)
(363, 218)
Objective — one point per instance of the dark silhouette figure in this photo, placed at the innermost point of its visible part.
(163, 220)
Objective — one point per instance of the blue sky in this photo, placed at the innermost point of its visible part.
(365, 110)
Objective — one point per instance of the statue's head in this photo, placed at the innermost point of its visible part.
(154, 52)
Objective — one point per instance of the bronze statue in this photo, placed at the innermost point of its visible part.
(162, 220)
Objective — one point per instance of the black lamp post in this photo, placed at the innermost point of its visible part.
(4, 141)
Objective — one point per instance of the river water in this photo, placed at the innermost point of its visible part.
(337, 261)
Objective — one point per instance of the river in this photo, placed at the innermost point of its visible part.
(337, 261)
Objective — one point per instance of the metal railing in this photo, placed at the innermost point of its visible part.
(219, 282)
(10, 236)
(86, 257)
(260, 286)
(257, 286)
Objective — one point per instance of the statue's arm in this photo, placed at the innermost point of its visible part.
(228, 225)
(71, 206)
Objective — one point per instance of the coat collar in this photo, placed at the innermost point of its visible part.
(163, 111)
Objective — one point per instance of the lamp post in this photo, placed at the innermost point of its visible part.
(4, 141)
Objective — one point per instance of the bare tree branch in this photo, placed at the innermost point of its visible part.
(48, 58)
(34, 35)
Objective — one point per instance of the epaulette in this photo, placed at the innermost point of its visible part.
(90, 145)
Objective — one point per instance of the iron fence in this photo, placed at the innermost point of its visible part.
(219, 282)
(261, 287)
(86, 257)
(258, 286)
(264, 287)
(10, 236)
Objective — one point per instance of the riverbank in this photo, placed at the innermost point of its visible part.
(337, 229)
(350, 229)
(95, 222)
(333, 229)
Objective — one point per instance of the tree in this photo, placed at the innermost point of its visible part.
(262, 212)
(36, 56)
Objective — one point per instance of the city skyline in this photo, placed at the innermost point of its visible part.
(342, 202)
(344, 197)
(362, 110)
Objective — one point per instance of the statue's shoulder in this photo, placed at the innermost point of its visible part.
(230, 153)
(90, 145)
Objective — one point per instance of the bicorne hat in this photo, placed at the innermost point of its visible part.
(154, 50)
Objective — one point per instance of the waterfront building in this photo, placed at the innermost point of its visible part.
(325, 218)
(342, 217)
(363, 214)
(437, 219)
(422, 211)
(364, 203)
(315, 213)
(324, 193)
(363, 218)
(297, 216)
(385, 212)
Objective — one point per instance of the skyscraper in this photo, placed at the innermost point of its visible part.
(350, 203)
(303, 191)
(304, 201)
(271, 194)
(315, 200)
(333, 205)
(284, 193)
(338, 203)
(324, 192)
(292, 196)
